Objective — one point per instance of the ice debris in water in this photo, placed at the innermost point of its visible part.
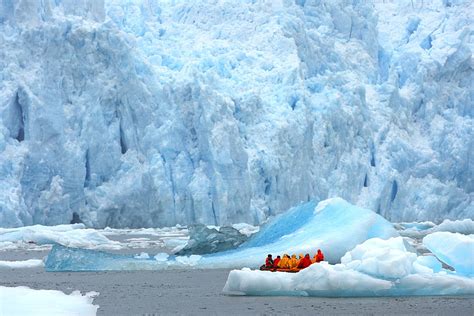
(151, 113)
(204, 240)
(336, 228)
(374, 268)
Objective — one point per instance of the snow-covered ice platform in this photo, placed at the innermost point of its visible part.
(375, 268)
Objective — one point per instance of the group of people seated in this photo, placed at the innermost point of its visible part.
(292, 263)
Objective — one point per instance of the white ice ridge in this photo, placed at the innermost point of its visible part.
(23, 301)
(374, 268)
(151, 113)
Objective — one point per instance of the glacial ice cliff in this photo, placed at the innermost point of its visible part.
(152, 113)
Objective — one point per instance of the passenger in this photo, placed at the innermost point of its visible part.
(269, 262)
(319, 256)
(276, 262)
(294, 262)
(285, 262)
(305, 262)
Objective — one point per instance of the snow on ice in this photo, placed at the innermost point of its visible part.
(148, 114)
(23, 301)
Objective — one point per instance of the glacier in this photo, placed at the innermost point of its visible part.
(152, 113)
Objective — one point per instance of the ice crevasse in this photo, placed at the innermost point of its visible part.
(152, 113)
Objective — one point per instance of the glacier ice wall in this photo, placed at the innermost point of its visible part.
(152, 113)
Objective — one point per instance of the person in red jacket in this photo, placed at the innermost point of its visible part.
(269, 262)
(305, 262)
(276, 262)
(319, 256)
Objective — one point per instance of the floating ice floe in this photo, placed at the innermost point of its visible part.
(23, 301)
(375, 268)
(75, 235)
(455, 249)
(30, 263)
(334, 226)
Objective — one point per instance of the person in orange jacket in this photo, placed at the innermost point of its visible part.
(284, 262)
(319, 256)
(294, 262)
(305, 262)
(276, 262)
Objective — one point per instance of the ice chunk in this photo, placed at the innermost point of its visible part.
(142, 255)
(375, 268)
(204, 240)
(465, 226)
(317, 280)
(161, 257)
(30, 263)
(386, 259)
(75, 235)
(23, 301)
(339, 281)
(455, 249)
(335, 227)
(246, 229)
(427, 264)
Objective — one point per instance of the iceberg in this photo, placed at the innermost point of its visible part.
(374, 268)
(455, 249)
(149, 114)
(333, 225)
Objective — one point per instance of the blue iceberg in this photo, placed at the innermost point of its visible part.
(333, 225)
